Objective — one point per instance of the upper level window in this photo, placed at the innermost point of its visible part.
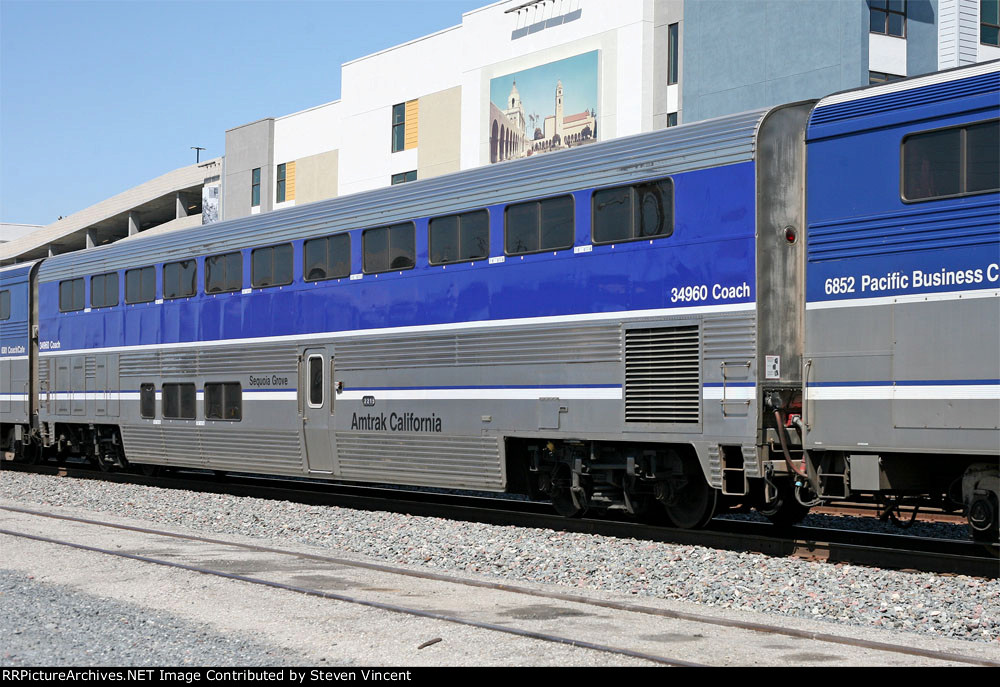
(272, 266)
(140, 285)
(630, 213)
(255, 188)
(71, 295)
(673, 52)
(961, 160)
(280, 184)
(888, 17)
(398, 127)
(104, 290)
(403, 177)
(327, 258)
(459, 238)
(390, 248)
(539, 225)
(224, 273)
(4, 305)
(989, 22)
(180, 279)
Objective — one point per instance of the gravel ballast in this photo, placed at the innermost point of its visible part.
(941, 605)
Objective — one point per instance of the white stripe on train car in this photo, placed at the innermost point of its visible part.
(927, 392)
(905, 298)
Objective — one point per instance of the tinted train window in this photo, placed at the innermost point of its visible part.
(140, 285)
(316, 381)
(147, 401)
(4, 305)
(390, 248)
(272, 266)
(327, 258)
(179, 401)
(224, 401)
(71, 295)
(180, 279)
(459, 238)
(630, 213)
(104, 290)
(539, 225)
(224, 273)
(952, 162)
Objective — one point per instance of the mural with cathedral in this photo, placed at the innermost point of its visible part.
(549, 107)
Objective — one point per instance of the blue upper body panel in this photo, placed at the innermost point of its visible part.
(712, 244)
(864, 241)
(14, 330)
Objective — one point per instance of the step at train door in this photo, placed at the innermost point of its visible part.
(317, 397)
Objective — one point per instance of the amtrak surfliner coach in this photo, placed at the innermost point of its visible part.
(771, 309)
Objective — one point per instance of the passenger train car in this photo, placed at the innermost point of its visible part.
(772, 308)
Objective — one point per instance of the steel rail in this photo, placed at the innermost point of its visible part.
(527, 591)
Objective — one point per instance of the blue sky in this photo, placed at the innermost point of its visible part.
(97, 97)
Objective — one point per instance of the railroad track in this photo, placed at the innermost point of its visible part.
(818, 544)
(498, 594)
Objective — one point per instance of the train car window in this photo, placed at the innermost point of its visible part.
(983, 159)
(539, 225)
(180, 279)
(390, 248)
(632, 213)
(224, 401)
(4, 305)
(140, 285)
(460, 238)
(71, 295)
(271, 266)
(179, 401)
(957, 161)
(104, 290)
(224, 273)
(147, 401)
(327, 258)
(316, 381)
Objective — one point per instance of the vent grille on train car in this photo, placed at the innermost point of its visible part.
(662, 378)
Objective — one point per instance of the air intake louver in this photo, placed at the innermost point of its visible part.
(662, 380)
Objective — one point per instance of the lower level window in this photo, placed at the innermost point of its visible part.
(224, 401)
(147, 401)
(178, 401)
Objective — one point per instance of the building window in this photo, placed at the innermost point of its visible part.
(672, 53)
(280, 186)
(4, 305)
(104, 290)
(255, 188)
(390, 248)
(989, 22)
(882, 77)
(888, 17)
(403, 177)
(147, 401)
(271, 266)
(631, 213)
(460, 238)
(140, 285)
(540, 225)
(398, 127)
(178, 401)
(71, 295)
(224, 401)
(327, 258)
(180, 279)
(224, 273)
(672, 119)
(959, 161)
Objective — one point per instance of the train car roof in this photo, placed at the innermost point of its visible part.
(709, 143)
(16, 270)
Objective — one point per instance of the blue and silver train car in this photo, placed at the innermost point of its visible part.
(16, 389)
(581, 324)
(903, 290)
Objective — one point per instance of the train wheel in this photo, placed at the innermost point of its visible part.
(560, 491)
(29, 454)
(689, 500)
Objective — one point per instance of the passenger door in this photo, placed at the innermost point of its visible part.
(316, 398)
